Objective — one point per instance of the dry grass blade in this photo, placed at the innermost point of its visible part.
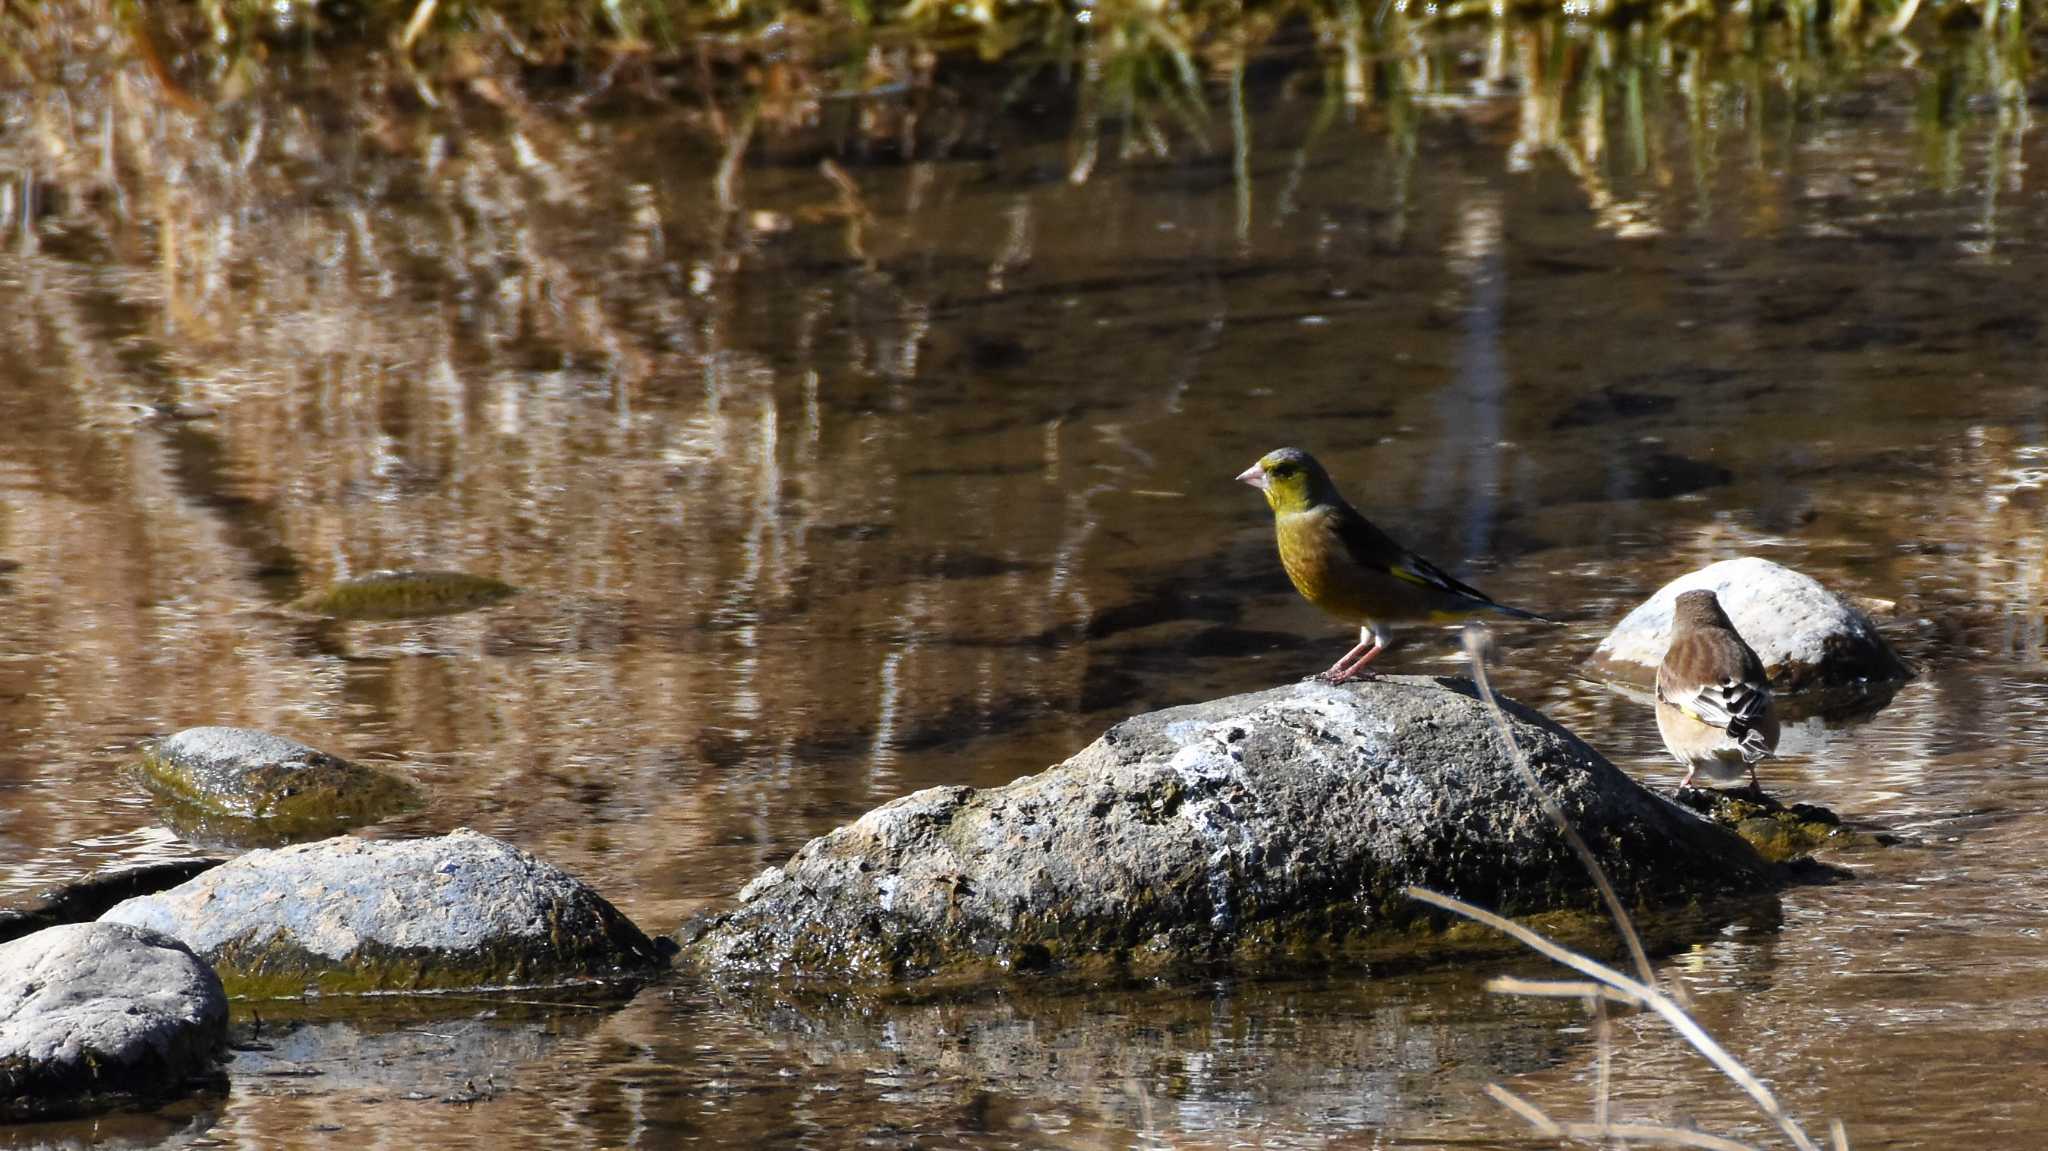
(1651, 1133)
(1559, 989)
(1475, 647)
(1530, 1113)
(421, 17)
(1652, 998)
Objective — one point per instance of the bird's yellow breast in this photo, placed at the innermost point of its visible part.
(1318, 565)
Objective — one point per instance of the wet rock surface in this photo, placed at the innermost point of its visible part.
(86, 899)
(266, 787)
(1277, 825)
(95, 1014)
(348, 915)
(1809, 638)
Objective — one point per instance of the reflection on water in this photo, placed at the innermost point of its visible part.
(887, 442)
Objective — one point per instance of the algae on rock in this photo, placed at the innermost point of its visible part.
(1780, 832)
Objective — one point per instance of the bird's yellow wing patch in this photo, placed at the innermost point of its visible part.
(1409, 575)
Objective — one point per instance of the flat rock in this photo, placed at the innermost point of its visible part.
(1809, 638)
(1279, 825)
(96, 1014)
(389, 595)
(282, 787)
(87, 898)
(348, 915)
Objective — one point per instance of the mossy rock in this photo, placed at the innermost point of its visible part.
(1780, 833)
(385, 595)
(267, 787)
(461, 911)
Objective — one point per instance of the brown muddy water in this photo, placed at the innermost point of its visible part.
(825, 482)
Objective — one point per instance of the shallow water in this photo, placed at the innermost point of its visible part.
(830, 481)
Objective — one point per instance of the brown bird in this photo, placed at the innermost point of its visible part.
(1713, 699)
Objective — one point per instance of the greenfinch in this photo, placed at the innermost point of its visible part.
(1344, 565)
(1713, 699)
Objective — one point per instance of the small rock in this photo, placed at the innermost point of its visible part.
(404, 595)
(1808, 638)
(1280, 825)
(96, 1014)
(348, 915)
(1780, 833)
(291, 790)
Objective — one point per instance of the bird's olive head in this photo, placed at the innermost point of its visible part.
(1292, 480)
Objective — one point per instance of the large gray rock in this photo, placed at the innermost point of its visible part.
(1808, 637)
(345, 915)
(1279, 825)
(280, 787)
(92, 1014)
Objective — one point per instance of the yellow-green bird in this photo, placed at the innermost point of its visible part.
(1341, 563)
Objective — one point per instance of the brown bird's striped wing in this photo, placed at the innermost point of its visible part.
(1712, 676)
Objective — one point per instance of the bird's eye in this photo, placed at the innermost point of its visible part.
(1284, 470)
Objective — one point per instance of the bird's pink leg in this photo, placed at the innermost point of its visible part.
(1352, 666)
(1687, 781)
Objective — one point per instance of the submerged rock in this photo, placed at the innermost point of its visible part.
(91, 896)
(95, 1014)
(1808, 637)
(284, 788)
(1277, 825)
(404, 595)
(348, 915)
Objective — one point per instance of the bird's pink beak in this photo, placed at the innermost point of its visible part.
(1254, 475)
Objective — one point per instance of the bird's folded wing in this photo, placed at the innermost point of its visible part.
(1731, 704)
(1372, 548)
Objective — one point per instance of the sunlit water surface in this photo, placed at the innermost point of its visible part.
(827, 482)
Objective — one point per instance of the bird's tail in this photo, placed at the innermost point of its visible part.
(1519, 613)
(1752, 742)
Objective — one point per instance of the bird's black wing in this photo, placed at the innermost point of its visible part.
(1373, 548)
